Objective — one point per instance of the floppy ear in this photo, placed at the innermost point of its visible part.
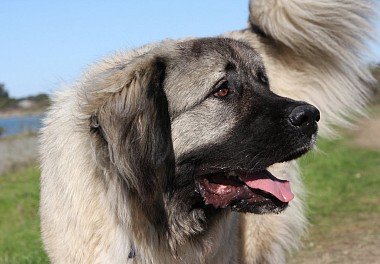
(133, 126)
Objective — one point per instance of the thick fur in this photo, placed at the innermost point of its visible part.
(312, 51)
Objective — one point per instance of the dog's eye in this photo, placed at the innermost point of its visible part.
(223, 90)
(262, 77)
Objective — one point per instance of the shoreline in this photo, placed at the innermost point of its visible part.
(21, 113)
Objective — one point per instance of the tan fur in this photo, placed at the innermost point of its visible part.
(313, 53)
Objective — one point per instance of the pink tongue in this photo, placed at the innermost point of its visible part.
(268, 183)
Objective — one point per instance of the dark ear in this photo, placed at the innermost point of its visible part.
(135, 124)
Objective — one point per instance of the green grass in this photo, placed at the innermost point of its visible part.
(19, 223)
(342, 182)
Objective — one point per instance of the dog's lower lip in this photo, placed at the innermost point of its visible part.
(296, 154)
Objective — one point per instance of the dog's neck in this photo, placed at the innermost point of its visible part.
(174, 239)
(164, 226)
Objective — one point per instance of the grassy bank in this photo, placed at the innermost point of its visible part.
(343, 184)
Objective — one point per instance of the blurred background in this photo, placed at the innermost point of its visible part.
(46, 45)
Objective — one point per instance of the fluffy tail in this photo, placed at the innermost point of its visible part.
(309, 26)
(331, 35)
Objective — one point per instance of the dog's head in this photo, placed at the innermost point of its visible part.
(194, 126)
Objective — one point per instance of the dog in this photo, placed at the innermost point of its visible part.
(184, 151)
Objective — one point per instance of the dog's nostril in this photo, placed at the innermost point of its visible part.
(305, 117)
(318, 116)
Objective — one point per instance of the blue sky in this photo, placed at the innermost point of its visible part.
(45, 44)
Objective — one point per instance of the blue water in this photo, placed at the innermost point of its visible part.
(19, 124)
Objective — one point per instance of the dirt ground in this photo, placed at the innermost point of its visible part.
(350, 241)
(17, 151)
(368, 134)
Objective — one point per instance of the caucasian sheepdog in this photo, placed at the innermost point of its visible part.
(155, 154)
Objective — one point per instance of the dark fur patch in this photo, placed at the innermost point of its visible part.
(230, 66)
(162, 154)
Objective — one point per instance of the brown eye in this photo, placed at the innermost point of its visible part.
(223, 92)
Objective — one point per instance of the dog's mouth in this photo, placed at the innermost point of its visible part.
(255, 192)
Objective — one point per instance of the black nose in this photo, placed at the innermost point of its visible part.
(305, 117)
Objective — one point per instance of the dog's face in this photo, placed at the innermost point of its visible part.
(228, 127)
(196, 129)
